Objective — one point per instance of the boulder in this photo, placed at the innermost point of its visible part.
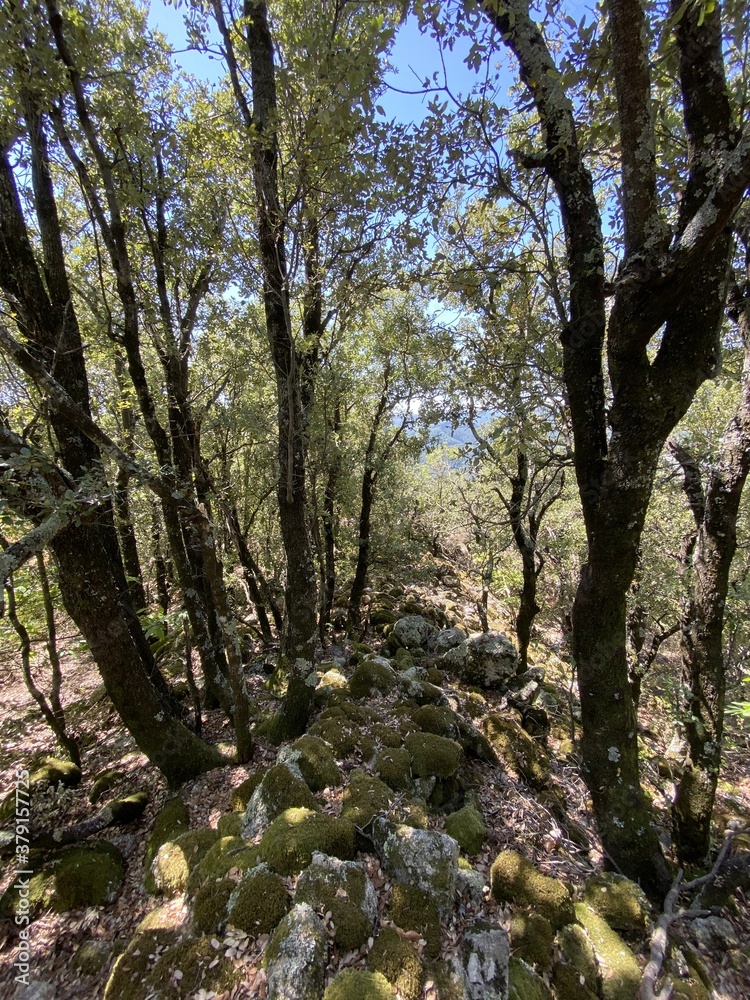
(486, 659)
(171, 820)
(620, 902)
(526, 984)
(413, 909)
(210, 905)
(313, 759)
(295, 959)
(513, 879)
(484, 962)
(88, 874)
(364, 797)
(619, 971)
(177, 858)
(393, 766)
(433, 756)
(425, 858)
(467, 827)
(291, 840)
(398, 962)
(258, 903)
(372, 677)
(279, 790)
(531, 936)
(356, 984)
(447, 638)
(342, 889)
(518, 750)
(411, 632)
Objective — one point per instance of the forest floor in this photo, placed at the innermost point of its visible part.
(514, 814)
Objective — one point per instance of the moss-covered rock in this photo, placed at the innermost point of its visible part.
(422, 692)
(526, 984)
(171, 820)
(242, 794)
(620, 974)
(87, 875)
(129, 809)
(91, 956)
(290, 842)
(449, 982)
(620, 902)
(103, 782)
(342, 889)
(372, 677)
(52, 771)
(356, 984)
(403, 659)
(433, 756)
(227, 855)
(575, 950)
(279, 790)
(393, 766)
(386, 736)
(518, 750)
(259, 902)
(424, 858)
(513, 879)
(339, 731)
(531, 937)
(230, 824)
(568, 985)
(364, 797)
(189, 966)
(295, 959)
(210, 905)
(177, 858)
(437, 719)
(397, 960)
(412, 812)
(36, 895)
(314, 759)
(128, 979)
(467, 827)
(413, 909)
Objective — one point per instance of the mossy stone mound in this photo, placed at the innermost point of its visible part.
(412, 909)
(398, 961)
(620, 974)
(424, 858)
(295, 959)
(567, 983)
(620, 902)
(36, 898)
(91, 957)
(87, 875)
(128, 978)
(210, 905)
(412, 812)
(437, 719)
(177, 858)
(518, 750)
(531, 938)
(226, 855)
(467, 827)
(575, 950)
(386, 736)
(52, 771)
(342, 889)
(190, 966)
(314, 759)
(230, 825)
(128, 809)
(102, 783)
(279, 790)
(433, 756)
(526, 984)
(393, 766)
(513, 879)
(290, 842)
(339, 732)
(372, 677)
(364, 797)
(171, 820)
(449, 983)
(242, 794)
(259, 902)
(356, 984)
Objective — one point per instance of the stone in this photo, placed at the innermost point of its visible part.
(467, 827)
(576, 951)
(433, 756)
(189, 966)
(177, 858)
(91, 956)
(513, 879)
(437, 719)
(89, 874)
(714, 932)
(526, 984)
(411, 632)
(486, 659)
(469, 883)
(568, 985)
(374, 676)
(357, 984)
(425, 858)
(447, 638)
(314, 760)
(279, 790)
(619, 971)
(531, 936)
(291, 840)
(364, 798)
(393, 766)
(210, 905)
(171, 820)
(103, 782)
(413, 909)
(620, 902)
(518, 750)
(258, 903)
(295, 959)
(484, 958)
(342, 889)
(398, 962)
(242, 794)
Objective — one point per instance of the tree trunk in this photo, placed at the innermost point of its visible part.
(369, 480)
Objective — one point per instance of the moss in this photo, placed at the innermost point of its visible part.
(87, 875)
(413, 813)
(273, 727)
(103, 782)
(242, 794)
(356, 984)
(435, 676)
(575, 949)
(229, 825)
(433, 756)
(127, 981)
(364, 797)
(568, 985)
(403, 659)
(423, 692)
(339, 732)
(397, 960)
(387, 736)
(531, 937)
(210, 905)
(225, 855)
(467, 827)
(475, 704)
(190, 966)
(371, 678)
(171, 820)
(619, 971)
(259, 902)
(525, 984)
(518, 750)
(513, 879)
(40, 888)
(177, 858)
(393, 766)
(128, 809)
(314, 758)
(447, 983)
(344, 891)
(412, 909)
(620, 902)
(56, 771)
(295, 959)
(280, 789)
(290, 842)
(360, 650)
(91, 957)
(437, 719)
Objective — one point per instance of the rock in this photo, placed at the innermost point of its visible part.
(338, 731)
(210, 905)
(531, 936)
(342, 889)
(450, 982)
(446, 639)
(469, 883)
(484, 957)
(467, 827)
(525, 984)
(356, 984)
(364, 798)
(295, 959)
(279, 790)
(171, 820)
(620, 902)
(128, 809)
(372, 677)
(535, 722)
(103, 782)
(37, 990)
(158, 931)
(53, 771)
(485, 659)
(230, 825)
(577, 952)
(258, 903)
(91, 956)
(399, 963)
(568, 985)
(411, 632)
(437, 719)
(313, 758)
(242, 794)
(36, 896)
(177, 858)
(513, 879)
(423, 692)
(393, 766)
(716, 932)
(413, 909)
(291, 840)
(425, 858)
(189, 966)
(619, 971)
(330, 683)
(518, 750)
(433, 756)
(88, 874)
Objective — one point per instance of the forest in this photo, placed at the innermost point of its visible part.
(315, 419)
